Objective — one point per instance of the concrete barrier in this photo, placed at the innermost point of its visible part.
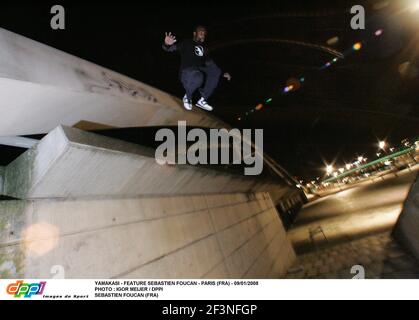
(406, 230)
(204, 236)
(97, 207)
(71, 163)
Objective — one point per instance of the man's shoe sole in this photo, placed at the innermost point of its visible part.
(205, 108)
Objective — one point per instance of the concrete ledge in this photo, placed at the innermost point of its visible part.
(407, 227)
(71, 163)
(45, 87)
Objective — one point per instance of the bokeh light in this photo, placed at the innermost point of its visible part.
(40, 238)
(357, 46)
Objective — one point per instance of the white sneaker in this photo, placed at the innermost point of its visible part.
(203, 104)
(187, 103)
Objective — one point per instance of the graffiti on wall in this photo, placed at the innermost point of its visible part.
(116, 85)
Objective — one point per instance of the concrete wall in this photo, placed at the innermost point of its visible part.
(42, 87)
(69, 162)
(407, 227)
(211, 236)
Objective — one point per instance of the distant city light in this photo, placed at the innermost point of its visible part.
(357, 46)
(329, 169)
(341, 170)
(382, 144)
(379, 32)
(332, 41)
(348, 166)
(288, 88)
(269, 100)
(259, 106)
(360, 158)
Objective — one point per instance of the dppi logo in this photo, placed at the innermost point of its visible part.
(27, 290)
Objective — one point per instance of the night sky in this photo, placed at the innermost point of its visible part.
(337, 113)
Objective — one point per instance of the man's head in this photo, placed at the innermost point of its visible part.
(199, 33)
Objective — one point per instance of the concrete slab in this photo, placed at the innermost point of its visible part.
(2, 172)
(70, 163)
(153, 237)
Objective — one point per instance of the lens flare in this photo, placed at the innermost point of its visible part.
(378, 33)
(332, 41)
(357, 46)
(288, 88)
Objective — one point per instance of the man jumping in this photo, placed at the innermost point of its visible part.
(197, 69)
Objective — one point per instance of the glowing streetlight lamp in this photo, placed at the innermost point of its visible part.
(382, 145)
(329, 169)
(341, 170)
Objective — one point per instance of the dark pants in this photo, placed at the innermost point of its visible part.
(205, 78)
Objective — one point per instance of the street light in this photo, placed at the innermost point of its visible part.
(382, 145)
(329, 169)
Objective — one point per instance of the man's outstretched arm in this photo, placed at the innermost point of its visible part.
(169, 43)
(210, 62)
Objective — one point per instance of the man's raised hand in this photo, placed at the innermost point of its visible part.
(227, 76)
(169, 39)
